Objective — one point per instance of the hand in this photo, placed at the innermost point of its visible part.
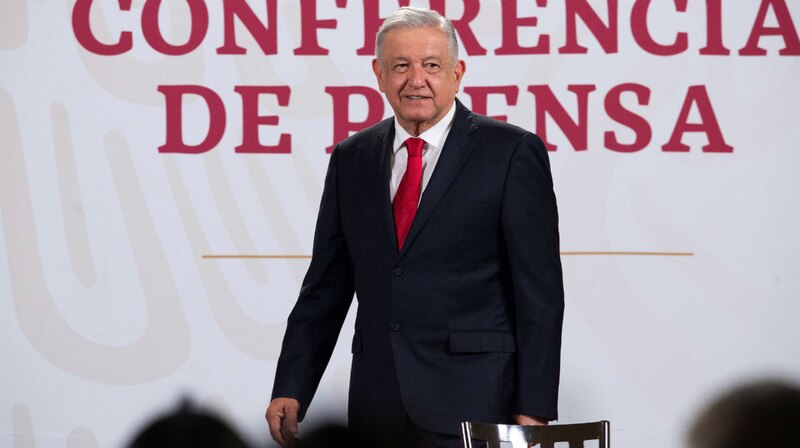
(529, 420)
(282, 419)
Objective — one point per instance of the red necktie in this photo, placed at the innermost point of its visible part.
(407, 196)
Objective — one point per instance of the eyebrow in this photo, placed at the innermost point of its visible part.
(407, 59)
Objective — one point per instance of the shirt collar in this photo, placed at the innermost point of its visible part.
(434, 136)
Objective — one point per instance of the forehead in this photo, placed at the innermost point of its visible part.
(415, 43)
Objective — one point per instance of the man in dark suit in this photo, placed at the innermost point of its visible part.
(444, 224)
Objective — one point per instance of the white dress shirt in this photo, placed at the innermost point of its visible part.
(434, 141)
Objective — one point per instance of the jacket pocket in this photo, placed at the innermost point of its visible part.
(356, 345)
(482, 341)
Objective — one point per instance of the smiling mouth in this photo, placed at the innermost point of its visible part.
(416, 97)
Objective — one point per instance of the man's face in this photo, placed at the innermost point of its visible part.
(417, 76)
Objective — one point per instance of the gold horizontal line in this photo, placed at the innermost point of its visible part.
(308, 257)
(269, 257)
(652, 254)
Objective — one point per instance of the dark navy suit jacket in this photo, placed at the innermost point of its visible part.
(466, 318)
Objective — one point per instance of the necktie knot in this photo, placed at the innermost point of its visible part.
(414, 146)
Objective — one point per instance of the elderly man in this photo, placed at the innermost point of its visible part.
(444, 224)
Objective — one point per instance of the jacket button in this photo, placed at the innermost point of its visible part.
(397, 271)
(395, 327)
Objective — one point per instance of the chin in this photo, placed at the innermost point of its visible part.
(418, 117)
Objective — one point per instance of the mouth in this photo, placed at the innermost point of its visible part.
(416, 97)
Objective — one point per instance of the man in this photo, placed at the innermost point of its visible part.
(187, 427)
(452, 253)
(759, 414)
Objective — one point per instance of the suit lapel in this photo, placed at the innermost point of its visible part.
(456, 151)
(383, 152)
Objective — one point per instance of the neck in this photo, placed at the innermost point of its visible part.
(415, 129)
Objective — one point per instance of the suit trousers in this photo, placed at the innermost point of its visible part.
(391, 427)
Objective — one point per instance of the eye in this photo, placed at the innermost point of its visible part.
(401, 67)
(431, 67)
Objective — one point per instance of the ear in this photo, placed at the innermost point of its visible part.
(378, 70)
(459, 69)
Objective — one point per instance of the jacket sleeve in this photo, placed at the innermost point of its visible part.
(325, 296)
(530, 228)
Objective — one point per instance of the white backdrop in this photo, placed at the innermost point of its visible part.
(111, 309)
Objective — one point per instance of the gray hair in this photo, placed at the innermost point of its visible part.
(411, 17)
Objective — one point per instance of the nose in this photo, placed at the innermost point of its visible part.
(416, 75)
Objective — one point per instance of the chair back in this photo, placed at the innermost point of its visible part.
(544, 436)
